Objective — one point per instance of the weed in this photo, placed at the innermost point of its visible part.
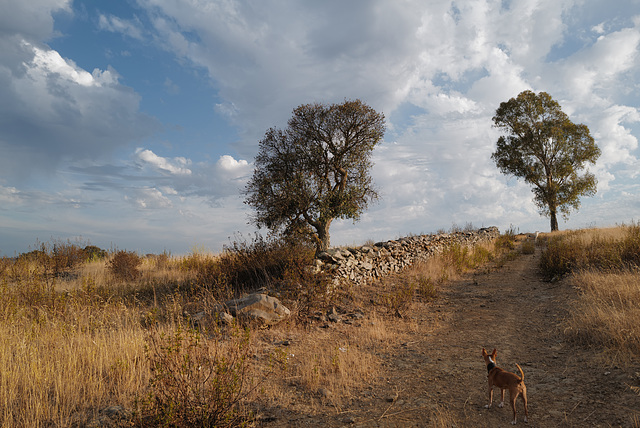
(400, 297)
(426, 288)
(125, 265)
(528, 247)
(197, 382)
(506, 241)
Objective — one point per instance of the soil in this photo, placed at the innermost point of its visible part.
(437, 377)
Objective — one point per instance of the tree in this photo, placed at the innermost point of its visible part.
(547, 150)
(316, 170)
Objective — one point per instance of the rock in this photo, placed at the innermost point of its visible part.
(204, 319)
(333, 315)
(258, 307)
(112, 416)
(324, 392)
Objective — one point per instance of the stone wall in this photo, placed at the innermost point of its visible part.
(368, 262)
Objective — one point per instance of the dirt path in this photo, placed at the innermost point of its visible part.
(438, 373)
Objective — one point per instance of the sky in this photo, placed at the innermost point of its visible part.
(133, 124)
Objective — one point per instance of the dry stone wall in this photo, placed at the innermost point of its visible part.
(368, 262)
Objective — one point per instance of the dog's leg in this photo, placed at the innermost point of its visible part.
(488, 406)
(501, 398)
(524, 399)
(513, 396)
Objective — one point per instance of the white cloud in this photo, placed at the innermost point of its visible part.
(594, 70)
(228, 163)
(53, 110)
(31, 20)
(149, 198)
(9, 195)
(176, 166)
(50, 62)
(131, 28)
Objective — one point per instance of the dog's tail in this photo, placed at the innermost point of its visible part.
(521, 373)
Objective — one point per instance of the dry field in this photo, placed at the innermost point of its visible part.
(81, 346)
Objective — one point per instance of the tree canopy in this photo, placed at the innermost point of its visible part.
(547, 150)
(315, 170)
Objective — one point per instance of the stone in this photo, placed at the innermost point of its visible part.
(204, 319)
(258, 307)
(360, 265)
(333, 315)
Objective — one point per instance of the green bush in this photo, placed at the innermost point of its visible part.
(93, 253)
(125, 265)
(197, 382)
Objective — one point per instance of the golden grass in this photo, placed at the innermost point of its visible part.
(60, 370)
(71, 345)
(607, 312)
(603, 267)
(326, 366)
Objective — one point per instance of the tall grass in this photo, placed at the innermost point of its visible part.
(607, 314)
(604, 250)
(604, 266)
(83, 333)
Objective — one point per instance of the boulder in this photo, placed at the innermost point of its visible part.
(258, 307)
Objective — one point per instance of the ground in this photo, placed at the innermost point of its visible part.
(437, 377)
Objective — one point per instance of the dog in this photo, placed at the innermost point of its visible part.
(505, 380)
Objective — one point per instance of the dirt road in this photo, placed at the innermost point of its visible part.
(438, 378)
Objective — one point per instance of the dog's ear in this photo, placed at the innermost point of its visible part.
(484, 352)
(493, 354)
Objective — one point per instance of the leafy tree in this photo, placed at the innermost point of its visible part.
(315, 170)
(547, 150)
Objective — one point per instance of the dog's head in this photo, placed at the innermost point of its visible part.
(489, 358)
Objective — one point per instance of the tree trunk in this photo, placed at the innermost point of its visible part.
(554, 219)
(322, 238)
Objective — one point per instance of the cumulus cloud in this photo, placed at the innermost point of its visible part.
(53, 110)
(229, 164)
(30, 20)
(456, 61)
(177, 166)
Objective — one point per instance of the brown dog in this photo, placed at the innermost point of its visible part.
(505, 380)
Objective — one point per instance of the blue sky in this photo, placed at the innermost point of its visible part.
(133, 124)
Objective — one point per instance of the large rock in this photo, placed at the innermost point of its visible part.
(258, 307)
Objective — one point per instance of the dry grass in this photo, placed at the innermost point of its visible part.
(76, 340)
(607, 313)
(60, 367)
(604, 268)
(326, 366)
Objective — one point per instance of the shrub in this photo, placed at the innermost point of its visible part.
(426, 288)
(125, 265)
(400, 295)
(528, 247)
(262, 262)
(506, 241)
(65, 256)
(196, 382)
(93, 253)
